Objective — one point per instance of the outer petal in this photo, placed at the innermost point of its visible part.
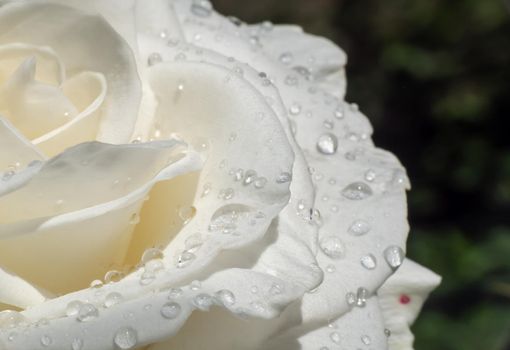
(17, 292)
(85, 42)
(401, 298)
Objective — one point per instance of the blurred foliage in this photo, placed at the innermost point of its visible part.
(434, 77)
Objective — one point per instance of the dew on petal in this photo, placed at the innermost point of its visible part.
(125, 338)
(87, 312)
(171, 310)
(394, 256)
(333, 247)
(112, 299)
(368, 262)
(154, 58)
(77, 344)
(359, 228)
(327, 144)
(357, 191)
(226, 297)
(201, 8)
(46, 340)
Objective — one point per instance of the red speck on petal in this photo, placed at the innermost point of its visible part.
(405, 299)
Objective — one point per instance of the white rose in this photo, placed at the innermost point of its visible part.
(228, 176)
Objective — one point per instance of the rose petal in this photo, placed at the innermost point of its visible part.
(359, 328)
(99, 213)
(401, 298)
(84, 42)
(18, 292)
(15, 150)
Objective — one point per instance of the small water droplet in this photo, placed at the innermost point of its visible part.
(125, 338)
(387, 332)
(154, 58)
(226, 297)
(366, 340)
(284, 177)
(350, 298)
(174, 293)
(330, 268)
(339, 112)
(249, 177)
(77, 344)
(226, 194)
(260, 182)
(203, 301)
(186, 213)
(113, 276)
(327, 144)
(291, 80)
(303, 71)
(87, 313)
(295, 109)
(171, 310)
(361, 297)
(150, 254)
(328, 124)
(286, 58)
(147, 278)
(359, 228)
(184, 259)
(335, 337)
(8, 175)
(11, 319)
(73, 307)
(201, 8)
(357, 191)
(206, 189)
(370, 175)
(394, 256)
(369, 262)
(134, 219)
(333, 247)
(46, 340)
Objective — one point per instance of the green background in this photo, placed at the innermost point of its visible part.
(433, 77)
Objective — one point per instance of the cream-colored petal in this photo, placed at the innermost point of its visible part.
(18, 292)
(34, 107)
(87, 92)
(401, 298)
(84, 206)
(84, 42)
(16, 151)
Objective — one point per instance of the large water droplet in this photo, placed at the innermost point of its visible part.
(171, 310)
(150, 254)
(359, 228)
(368, 262)
(357, 191)
(394, 256)
(87, 313)
(226, 297)
(203, 301)
(327, 144)
(333, 247)
(73, 307)
(201, 8)
(125, 338)
(112, 298)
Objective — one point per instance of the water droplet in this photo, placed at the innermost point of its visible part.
(46, 340)
(370, 175)
(359, 228)
(201, 8)
(339, 112)
(350, 298)
(87, 313)
(354, 107)
(73, 307)
(151, 254)
(226, 297)
(226, 193)
(328, 124)
(11, 319)
(357, 191)
(112, 299)
(387, 332)
(163, 34)
(147, 278)
(171, 310)
(42, 322)
(113, 276)
(154, 58)
(286, 58)
(238, 174)
(206, 189)
(8, 175)
(333, 247)
(303, 71)
(172, 42)
(327, 144)
(187, 213)
(184, 259)
(330, 268)
(361, 297)
(369, 262)
(260, 182)
(249, 176)
(291, 80)
(394, 256)
(284, 177)
(335, 337)
(295, 109)
(276, 289)
(203, 301)
(125, 338)
(77, 344)
(366, 340)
